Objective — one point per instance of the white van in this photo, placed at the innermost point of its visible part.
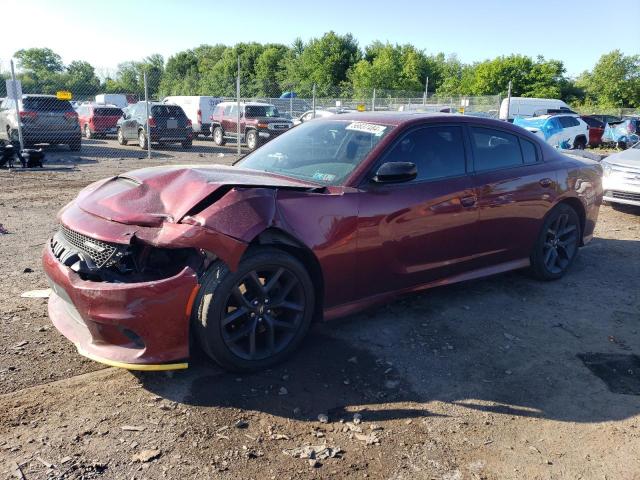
(198, 109)
(529, 107)
(117, 99)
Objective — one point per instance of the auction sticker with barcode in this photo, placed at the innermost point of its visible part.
(371, 128)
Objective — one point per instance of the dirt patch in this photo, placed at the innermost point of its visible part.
(476, 380)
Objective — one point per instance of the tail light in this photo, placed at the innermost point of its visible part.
(30, 115)
(189, 124)
(152, 122)
(70, 115)
(199, 117)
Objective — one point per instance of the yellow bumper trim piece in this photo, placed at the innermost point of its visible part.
(134, 366)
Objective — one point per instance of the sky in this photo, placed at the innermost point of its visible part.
(110, 32)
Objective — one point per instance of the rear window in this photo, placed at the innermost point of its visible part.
(593, 122)
(46, 104)
(107, 112)
(167, 111)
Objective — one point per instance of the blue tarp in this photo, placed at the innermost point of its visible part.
(624, 131)
(547, 125)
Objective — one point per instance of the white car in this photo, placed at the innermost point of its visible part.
(306, 116)
(198, 109)
(560, 131)
(621, 178)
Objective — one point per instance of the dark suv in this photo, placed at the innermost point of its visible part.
(259, 123)
(167, 124)
(43, 118)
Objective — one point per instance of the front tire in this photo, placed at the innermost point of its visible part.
(121, 139)
(252, 140)
(557, 245)
(255, 317)
(218, 136)
(142, 139)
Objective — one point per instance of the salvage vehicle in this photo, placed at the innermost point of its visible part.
(167, 124)
(259, 123)
(98, 120)
(334, 216)
(560, 131)
(43, 119)
(622, 134)
(596, 129)
(621, 179)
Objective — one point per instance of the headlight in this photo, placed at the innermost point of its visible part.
(606, 168)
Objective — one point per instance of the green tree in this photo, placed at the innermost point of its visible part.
(39, 60)
(614, 81)
(324, 61)
(81, 80)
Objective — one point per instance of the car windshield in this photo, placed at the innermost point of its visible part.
(324, 152)
(252, 111)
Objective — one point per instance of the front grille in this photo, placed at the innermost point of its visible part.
(102, 254)
(625, 195)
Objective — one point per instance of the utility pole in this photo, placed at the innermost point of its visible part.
(146, 102)
(238, 129)
(426, 91)
(508, 101)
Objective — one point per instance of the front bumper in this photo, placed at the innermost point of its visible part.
(619, 189)
(143, 326)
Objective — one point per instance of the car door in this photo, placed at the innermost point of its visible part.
(515, 190)
(129, 124)
(419, 231)
(230, 120)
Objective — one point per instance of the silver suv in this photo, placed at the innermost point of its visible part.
(44, 119)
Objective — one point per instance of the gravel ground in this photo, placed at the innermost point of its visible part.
(489, 379)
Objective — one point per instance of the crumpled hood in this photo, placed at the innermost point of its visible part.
(151, 196)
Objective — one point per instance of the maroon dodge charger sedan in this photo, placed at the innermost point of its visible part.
(333, 216)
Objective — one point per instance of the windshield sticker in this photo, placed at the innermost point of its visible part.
(324, 177)
(371, 128)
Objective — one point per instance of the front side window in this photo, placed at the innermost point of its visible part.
(494, 149)
(437, 152)
(323, 152)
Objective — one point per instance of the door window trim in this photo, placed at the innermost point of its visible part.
(539, 158)
(465, 143)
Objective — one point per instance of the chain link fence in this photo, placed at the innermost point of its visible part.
(124, 125)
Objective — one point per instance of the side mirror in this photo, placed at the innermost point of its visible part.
(396, 172)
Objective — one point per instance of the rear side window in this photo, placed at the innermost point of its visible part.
(438, 152)
(529, 152)
(218, 111)
(167, 111)
(494, 149)
(107, 112)
(567, 122)
(46, 104)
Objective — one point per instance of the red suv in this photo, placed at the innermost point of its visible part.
(98, 120)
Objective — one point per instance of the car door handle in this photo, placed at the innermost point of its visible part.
(468, 201)
(546, 182)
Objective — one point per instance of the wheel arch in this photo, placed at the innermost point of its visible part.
(578, 206)
(277, 238)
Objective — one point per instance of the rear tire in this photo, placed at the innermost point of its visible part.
(187, 144)
(121, 139)
(580, 143)
(218, 136)
(255, 317)
(75, 146)
(557, 244)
